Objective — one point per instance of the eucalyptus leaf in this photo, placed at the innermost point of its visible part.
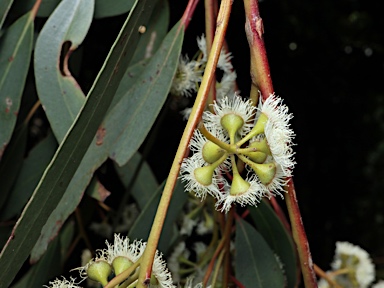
(103, 8)
(15, 55)
(280, 241)
(31, 171)
(143, 224)
(5, 5)
(144, 181)
(139, 111)
(60, 94)
(49, 265)
(112, 8)
(45, 269)
(155, 31)
(133, 116)
(12, 161)
(62, 168)
(255, 263)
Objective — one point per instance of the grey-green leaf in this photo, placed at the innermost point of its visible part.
(50, 264)
(112, 8)
(139, 178)
(15, 55)
(103, 8)
(273, 231)
(60, 94)
(139, 111)
(154, 34)
(62, 168)
(12, 161)
(143, 224)
(134, 105)
(256, 265)
(31, 171)
(5, 5)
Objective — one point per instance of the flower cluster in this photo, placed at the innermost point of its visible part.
(351, 267)
(260, 137)
(117, 258)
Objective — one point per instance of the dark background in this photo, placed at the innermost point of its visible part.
(326, 61)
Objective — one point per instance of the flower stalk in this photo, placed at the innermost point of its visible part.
(197, 110)
(261, 81)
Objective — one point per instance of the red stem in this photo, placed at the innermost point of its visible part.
(187, 16)
(261, 80)
(280, 214)
(300, 237)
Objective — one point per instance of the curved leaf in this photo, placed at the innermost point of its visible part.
(155, 32)
(277, 237)
(112, 8)
(60, 94)
(62, 168)
(12, 161)
(144, 181)
(49, 266)
(256, 265)
(31, 171)
(143, 100)
(15, 55)
(137, 112)
(5, 5)
(143, 224)
(103, 8)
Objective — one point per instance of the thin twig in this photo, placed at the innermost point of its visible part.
(194, 118)
(261, 81)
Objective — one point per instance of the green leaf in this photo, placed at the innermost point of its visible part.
(49, 265)
(97, 153)
(256, 265)
(139, 111)
(112, 8)
(15, 55)
(66, 161)
(155, 32)
(46, 268)
(144, 99)
(103, 8)
(60, 95)
(273, 231)
(144, 182)
(5, 5)
(45, 9)
(143, 224)
(31, 171)
(12, 161)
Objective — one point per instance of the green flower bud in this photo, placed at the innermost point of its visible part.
(121, 264)
(260, 125)
(261, 145)
(266, 172)
(99, 271)
(239, 185)
(211, 152)
(232, 123)
(204, 174)
(258, 157)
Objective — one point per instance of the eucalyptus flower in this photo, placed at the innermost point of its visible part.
(64, 283)
(360, 271)
(187, 77)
